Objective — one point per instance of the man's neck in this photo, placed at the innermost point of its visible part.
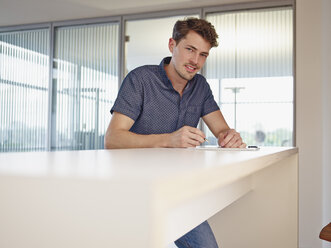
(177, 82)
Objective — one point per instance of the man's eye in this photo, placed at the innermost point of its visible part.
(189, 49)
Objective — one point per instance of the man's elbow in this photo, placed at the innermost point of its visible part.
(108, 144)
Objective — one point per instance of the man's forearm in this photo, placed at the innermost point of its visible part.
(117, 139)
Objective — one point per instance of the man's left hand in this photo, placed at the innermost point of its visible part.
(230, 139)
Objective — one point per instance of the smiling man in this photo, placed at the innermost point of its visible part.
(160, 106)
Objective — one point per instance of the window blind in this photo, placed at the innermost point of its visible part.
(85, 84)
(24, 83)
(251, 73)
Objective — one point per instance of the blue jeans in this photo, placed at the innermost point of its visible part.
(200, 237)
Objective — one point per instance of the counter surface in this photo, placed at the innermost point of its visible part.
(102, 197)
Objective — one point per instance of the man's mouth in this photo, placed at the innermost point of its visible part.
(190, 68)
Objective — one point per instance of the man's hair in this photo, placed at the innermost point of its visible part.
(200, 26)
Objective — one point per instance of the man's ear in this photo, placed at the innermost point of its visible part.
(172, 44)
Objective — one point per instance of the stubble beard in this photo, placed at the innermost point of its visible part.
(185, 76)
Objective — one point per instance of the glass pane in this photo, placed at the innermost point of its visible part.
(24, 83)
(250, 74)
(85, 84)
(146, 42)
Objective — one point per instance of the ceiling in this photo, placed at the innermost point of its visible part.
(17, 12)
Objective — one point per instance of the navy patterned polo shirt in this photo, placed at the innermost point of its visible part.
(148, 97)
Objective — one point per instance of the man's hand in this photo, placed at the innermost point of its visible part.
(230, 139)
(186, 137)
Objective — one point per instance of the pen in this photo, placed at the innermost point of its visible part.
(206, 140)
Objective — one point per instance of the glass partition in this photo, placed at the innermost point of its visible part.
(24, 84)
(251, 74)
(85, 84)
(147, 40)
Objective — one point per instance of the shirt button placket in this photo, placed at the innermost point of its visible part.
(181, 112)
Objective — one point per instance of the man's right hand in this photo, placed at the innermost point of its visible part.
(186, 137)
(119, 136)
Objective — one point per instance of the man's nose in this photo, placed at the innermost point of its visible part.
(195, 58)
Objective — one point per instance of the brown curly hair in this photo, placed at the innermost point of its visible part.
(201, 26)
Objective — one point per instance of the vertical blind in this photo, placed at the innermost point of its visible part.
(85, 84)
(148, 48)
(84, 87)
(24, 83)
(251, 74)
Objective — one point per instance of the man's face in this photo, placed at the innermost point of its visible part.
(189, 55)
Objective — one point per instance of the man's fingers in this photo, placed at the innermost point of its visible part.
(197, 137)
(234, 142)
(196, 134)
(192, 143)
(221, 137)
(230, 139)
(243, 145)
(226, 137)
(190, 136)
(196, 131)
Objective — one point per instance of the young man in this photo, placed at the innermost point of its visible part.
(160, 106)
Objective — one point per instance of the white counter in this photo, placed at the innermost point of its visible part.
(147, 197)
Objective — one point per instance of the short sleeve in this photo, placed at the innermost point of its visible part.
(130, 97)
(209, 104)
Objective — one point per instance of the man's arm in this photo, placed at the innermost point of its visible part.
(226, 137)
(119, 136)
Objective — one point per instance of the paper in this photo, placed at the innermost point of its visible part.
(218, 148)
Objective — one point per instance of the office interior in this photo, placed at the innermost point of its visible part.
(312, 79)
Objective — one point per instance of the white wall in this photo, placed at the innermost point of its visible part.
(313, 118)
(326, 114)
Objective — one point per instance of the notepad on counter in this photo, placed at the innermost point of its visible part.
(219, 148)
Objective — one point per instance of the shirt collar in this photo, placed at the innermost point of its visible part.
(164, 76)
(166, 61)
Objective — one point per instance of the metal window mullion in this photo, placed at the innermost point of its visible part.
(50, 132)
(1, 99)
(19, 95)
(78, 89)
(121, 52)
(294, 136)
(34, 60)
